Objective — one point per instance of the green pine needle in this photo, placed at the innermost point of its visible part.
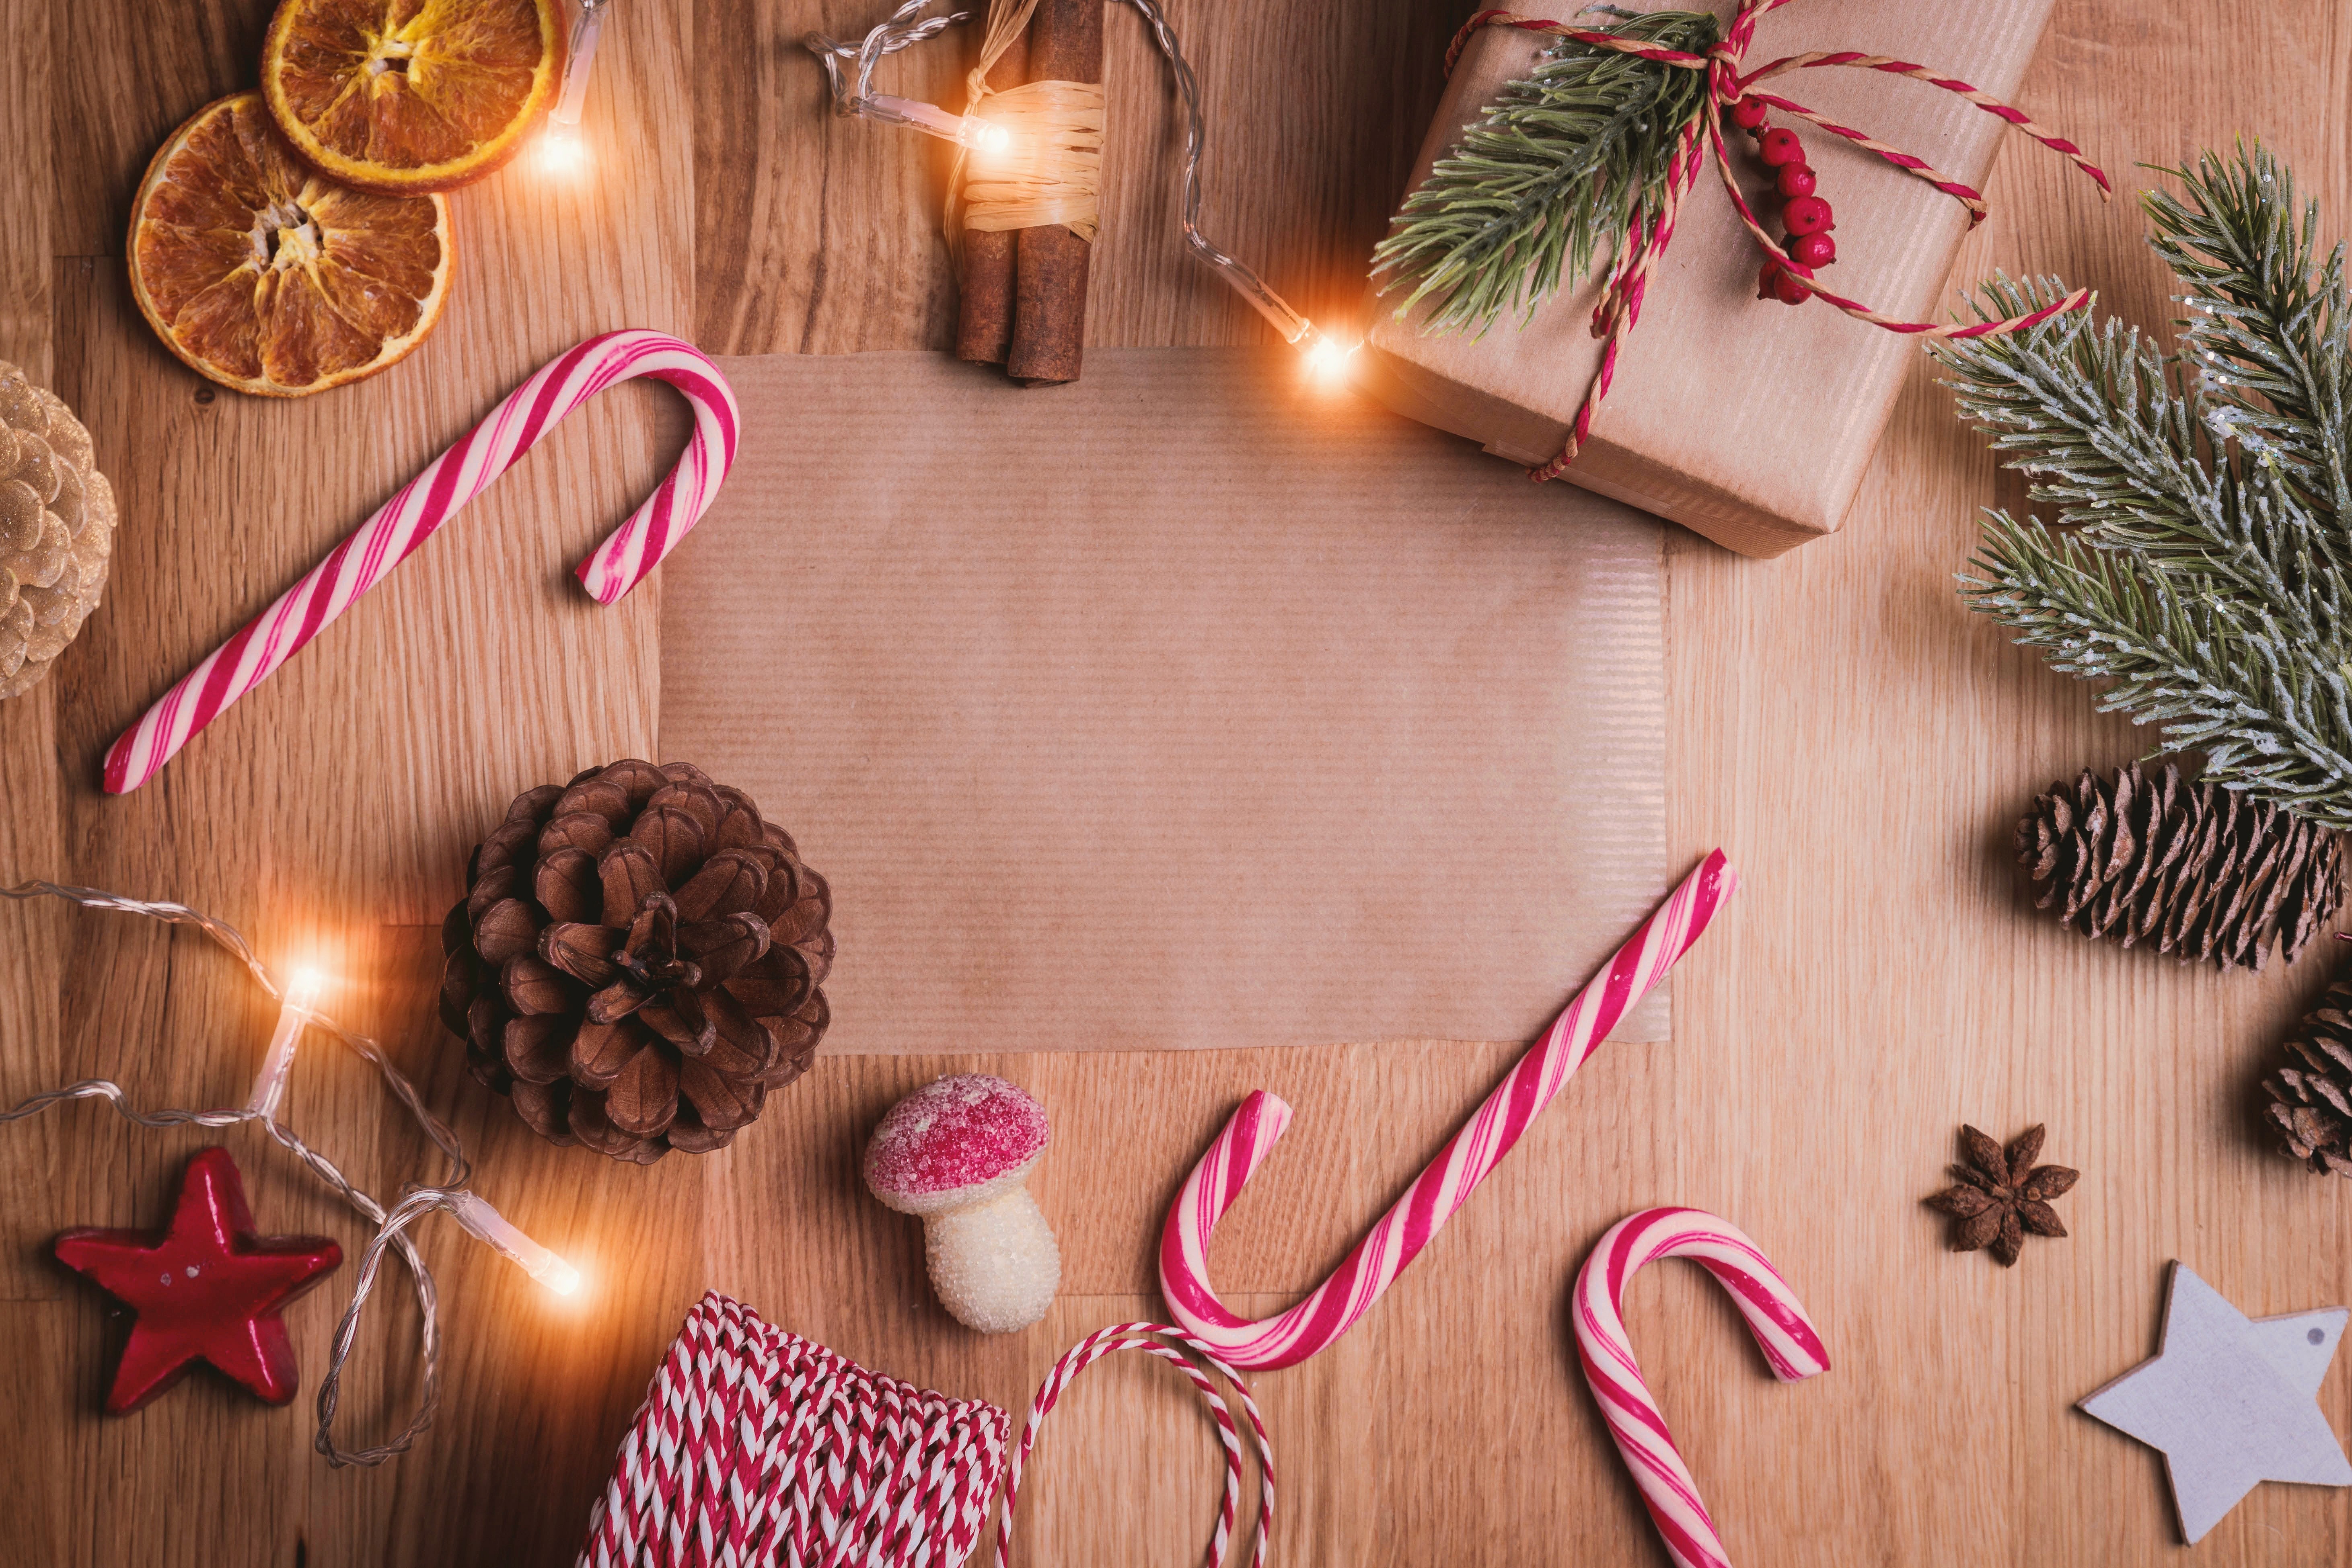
(2199, 561)
(1549, 178)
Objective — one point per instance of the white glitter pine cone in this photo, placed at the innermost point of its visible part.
(57, 530)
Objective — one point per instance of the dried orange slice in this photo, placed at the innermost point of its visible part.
(402, 95)
(270, 278)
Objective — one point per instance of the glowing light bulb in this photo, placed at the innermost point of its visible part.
(277, 1062)
(963, 129)
(562, 152)
(472, 1212)
(1326, 361)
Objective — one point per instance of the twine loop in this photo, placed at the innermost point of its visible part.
(1702, 139)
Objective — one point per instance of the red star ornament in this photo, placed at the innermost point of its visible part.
(209, 1290)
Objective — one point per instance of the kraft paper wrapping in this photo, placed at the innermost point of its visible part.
(1186, 706)
(1749, 421)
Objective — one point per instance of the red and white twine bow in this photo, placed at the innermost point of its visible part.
(1637, 255)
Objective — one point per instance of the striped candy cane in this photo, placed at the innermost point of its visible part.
(439, 493)
(1400, 1233)
(1774, 1315)
(1155, 1339)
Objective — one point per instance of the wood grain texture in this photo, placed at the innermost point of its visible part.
(1838, 722)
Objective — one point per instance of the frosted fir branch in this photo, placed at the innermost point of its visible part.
(2268, 316)
(2195, 565)
(2219, 676)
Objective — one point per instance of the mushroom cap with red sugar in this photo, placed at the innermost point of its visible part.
(962, 1140)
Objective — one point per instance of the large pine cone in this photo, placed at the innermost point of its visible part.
(2311, 1097)
(638, 960)
(2204, 872)
(57, 530)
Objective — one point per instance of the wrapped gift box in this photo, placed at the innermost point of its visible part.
(1748, 421)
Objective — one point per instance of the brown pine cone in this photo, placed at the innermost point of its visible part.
(639, 958)
(2203, 872)
(2311, 1097)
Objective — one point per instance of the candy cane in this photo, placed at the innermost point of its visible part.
(1774, 1316)
(1153, 1339)
(1441, 1189)
(439, 493)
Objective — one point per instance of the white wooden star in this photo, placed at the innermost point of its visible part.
(2232, 1401)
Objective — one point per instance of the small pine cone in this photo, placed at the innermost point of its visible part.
(2202, 871)
(2311, 1097)
(639, 958)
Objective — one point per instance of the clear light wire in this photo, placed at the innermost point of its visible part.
(1294, 328)
(906, 26)
(854, 93)
(579, 60)
(392, 1228)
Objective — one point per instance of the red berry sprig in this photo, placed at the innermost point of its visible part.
(1807, 218)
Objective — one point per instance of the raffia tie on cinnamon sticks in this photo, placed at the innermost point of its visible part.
(1024, 294)
(1053, 171)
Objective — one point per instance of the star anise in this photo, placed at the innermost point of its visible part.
(2003, 1194)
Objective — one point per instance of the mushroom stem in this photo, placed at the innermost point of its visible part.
(993, 1263)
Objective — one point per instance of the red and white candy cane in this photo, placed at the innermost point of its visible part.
(1155, 1339)
(1789, 1342)
(1440, 1189)
(439, 493)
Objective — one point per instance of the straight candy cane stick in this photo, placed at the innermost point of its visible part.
(1789, 1340)
(1400, 1233)
(439, 493)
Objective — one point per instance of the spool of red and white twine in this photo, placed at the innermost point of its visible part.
(757, 1446)
(1787, 1336)
(439, 493)
(1441, 1189)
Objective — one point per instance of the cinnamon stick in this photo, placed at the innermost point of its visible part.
(1049, 310)
(984, 275)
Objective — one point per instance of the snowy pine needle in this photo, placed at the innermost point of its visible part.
(2198, 560)
(1549, 177)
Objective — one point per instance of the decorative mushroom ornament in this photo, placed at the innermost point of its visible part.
(955, 1153)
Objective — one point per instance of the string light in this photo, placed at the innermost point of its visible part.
(271, 1087)
(1328, 362)
(296, 1013)
(561, 149)
(963, 129)
(495, 1231)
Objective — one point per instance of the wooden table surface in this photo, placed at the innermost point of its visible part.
(1858, 741)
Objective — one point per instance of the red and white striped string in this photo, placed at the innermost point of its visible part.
(757, 1447)
(1620, 309)
(1170, 1345)
(439, 493)
(1440, 1189)
(1789, 1342)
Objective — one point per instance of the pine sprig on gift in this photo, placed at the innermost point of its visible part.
(1549, 177)
(2198, 560)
